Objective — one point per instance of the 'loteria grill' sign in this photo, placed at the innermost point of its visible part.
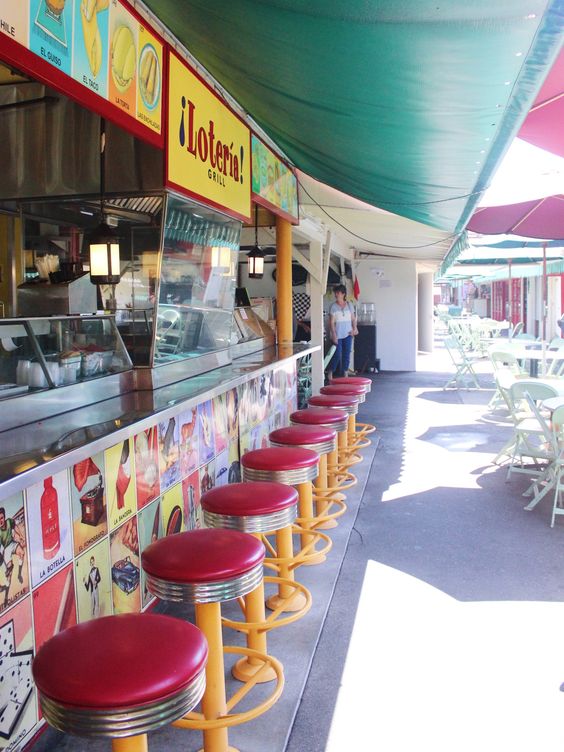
(208, 146)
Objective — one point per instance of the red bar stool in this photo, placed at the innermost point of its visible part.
(358, 380)
(347, 454)
(260, 508)
(121, 676)
(323, 441)
(357, 435)
(338, 480)
(295, 467)
(362, 429)
(205, 568)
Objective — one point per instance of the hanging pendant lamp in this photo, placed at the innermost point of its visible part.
(104, 242)
(255, 255)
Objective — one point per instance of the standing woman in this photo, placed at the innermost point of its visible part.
(342, 326)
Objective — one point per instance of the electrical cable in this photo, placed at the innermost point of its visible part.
(374, 242)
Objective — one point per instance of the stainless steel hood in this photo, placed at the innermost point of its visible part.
(52, 148)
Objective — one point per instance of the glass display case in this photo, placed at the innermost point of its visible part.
(197, 282)
(46, 353)
(250, 326)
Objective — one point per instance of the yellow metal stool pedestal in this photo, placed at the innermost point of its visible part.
(348, 456)
(338, 480)
(362, 429)
(297, 467)
(323, 441)
(258, 508)
(206, 568)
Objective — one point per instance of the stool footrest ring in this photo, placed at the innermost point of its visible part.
(197, 721)
(359, 442)
(345, 480)
(327, 514)
(309, 552)
(274, 619)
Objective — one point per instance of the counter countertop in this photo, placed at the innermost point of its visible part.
(35, 450)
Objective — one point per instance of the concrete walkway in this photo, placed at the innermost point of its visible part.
(437, 615)
(444, 629)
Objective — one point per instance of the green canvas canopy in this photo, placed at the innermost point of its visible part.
(408, 105)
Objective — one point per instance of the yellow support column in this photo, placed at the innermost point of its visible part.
(284, 281)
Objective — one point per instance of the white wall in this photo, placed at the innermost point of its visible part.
(391, 284)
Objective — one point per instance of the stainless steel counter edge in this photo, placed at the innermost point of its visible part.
(37, 450)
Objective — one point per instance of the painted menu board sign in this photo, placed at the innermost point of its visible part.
(274, 183)
(207, 144)
(100, 44)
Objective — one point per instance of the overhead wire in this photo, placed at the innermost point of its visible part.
(452, 236)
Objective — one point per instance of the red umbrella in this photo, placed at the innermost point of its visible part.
(541, 218)
(543, 124)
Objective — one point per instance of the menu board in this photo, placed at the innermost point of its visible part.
(99, 43)
(274, 183)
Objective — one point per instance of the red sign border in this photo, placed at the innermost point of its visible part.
(182, 189)
(14, 53)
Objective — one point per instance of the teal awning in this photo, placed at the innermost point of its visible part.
(522, 271)
(405, 104)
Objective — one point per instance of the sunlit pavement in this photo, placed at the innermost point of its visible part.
(444, 631)
(426, 671)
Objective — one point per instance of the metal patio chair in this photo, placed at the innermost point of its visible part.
(463, 364)
(531, 441)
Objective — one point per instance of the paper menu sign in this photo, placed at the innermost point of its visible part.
(91, 44)
(14, 20)
(149, 80)
(51, 32)
(122, 86)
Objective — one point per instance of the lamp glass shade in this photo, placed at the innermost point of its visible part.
(256, 263)
(104, 256)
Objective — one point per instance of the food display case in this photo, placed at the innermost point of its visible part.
(250, 332)
(38, 355)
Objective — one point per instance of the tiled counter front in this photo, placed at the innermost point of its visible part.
(70, 545)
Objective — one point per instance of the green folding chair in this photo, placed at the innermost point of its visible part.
(463, 365)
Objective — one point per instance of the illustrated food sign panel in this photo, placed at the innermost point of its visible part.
(274, 183)
(100, 44)
(207, 145)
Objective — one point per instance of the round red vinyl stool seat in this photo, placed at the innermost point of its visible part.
(206, 568)
(261, 508)
(358, 380)
(324, 441)
(338, 479)
(317, 438)
(121, 676)
(203, 566)
(296, 467)
(321, 416)
(347, 389)
(283, 464)
(346, 402)
(349, 403)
